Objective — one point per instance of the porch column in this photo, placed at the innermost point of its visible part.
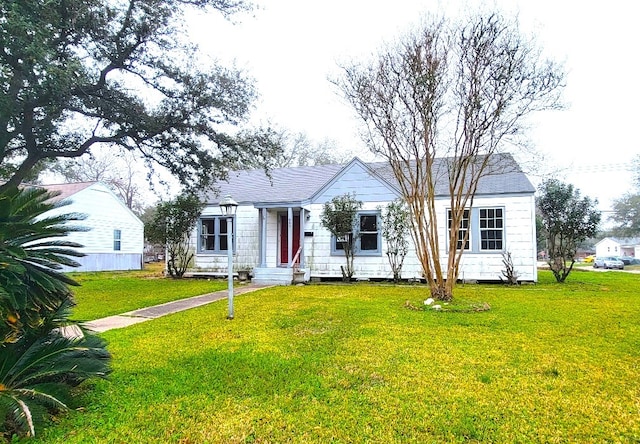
(263, 237)
(290, 236)
(303, 218)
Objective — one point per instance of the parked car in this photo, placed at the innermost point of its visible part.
(608, 262)
(629, 260)
(589, 259)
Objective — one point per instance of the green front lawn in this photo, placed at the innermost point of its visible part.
(335, 363)
(109, 293)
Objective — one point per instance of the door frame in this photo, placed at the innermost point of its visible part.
(283, 236)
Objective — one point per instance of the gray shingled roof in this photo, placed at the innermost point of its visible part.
(298, 184)
(503, 176)
(285, 185)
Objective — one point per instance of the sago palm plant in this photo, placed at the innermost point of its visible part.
(42, 354)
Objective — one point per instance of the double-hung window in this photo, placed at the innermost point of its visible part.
(117, 240)
(213, 234)
(463, 238)
(367, 236)
(483, 229)
(491, 228)
(369, 233)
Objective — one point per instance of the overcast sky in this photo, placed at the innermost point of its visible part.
(291, 48)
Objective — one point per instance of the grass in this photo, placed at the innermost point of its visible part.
(335, 363)
(104, 294)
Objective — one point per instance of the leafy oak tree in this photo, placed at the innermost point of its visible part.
(76, 74)
(441, 106)
(567, 220)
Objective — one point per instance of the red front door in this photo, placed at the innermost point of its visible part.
(284, 236)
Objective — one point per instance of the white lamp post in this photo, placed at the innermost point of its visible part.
(228, 207)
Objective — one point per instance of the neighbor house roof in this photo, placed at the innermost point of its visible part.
(66, 189)
(297, 184)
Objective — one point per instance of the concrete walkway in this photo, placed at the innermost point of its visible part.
(146, 314)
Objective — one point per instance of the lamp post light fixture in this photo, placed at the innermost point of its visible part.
(228, 207)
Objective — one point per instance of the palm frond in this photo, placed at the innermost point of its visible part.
(21, 414)
(43, 398)
(39, 364)
(56, 356)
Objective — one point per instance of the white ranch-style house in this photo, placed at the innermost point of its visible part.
(114, 236)
(614, 246)
(277, 226)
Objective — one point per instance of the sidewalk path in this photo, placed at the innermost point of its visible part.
(145, 314)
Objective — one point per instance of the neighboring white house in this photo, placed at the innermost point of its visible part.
(280, 216)
(114, 239)
(613, 246)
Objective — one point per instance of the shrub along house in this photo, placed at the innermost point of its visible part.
(114, 236)
(277, 226)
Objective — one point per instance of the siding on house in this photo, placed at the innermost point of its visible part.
(247, 246)
(105, 213)
(519, 238)
(607, 247)
(323, 263)
(356, 179)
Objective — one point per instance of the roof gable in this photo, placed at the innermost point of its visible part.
(359, 179)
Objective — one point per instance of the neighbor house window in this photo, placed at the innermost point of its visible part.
(213, 234)
(368, 241)
(463, 237)
(117, 240)
(491, 228)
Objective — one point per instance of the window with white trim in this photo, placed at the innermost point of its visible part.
(117, 240)
(491, 228)
(369, 238)
(462, 230)
(213, 234)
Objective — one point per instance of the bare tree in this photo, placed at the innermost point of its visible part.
(297, 149)
(118, 173)
(439, 106)
(509, 272)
